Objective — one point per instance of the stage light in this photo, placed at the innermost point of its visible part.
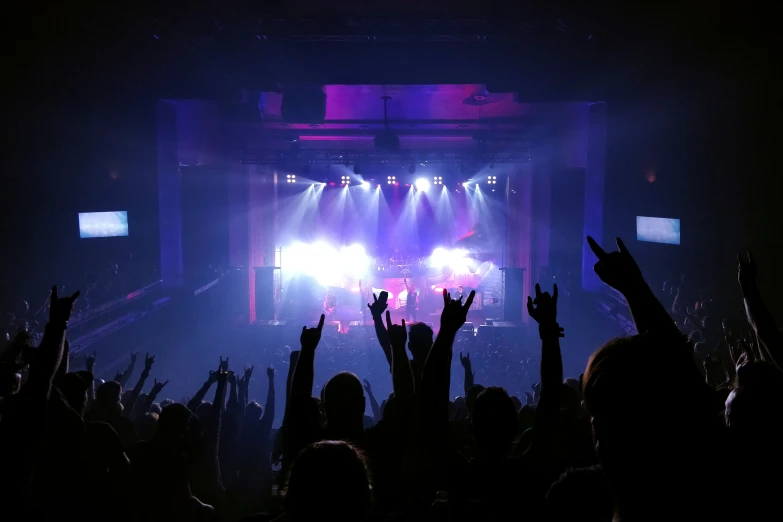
(391, 180)
(365, 185)
(491, 180)
(422, 184)
(345, 180)
(290, 178)
(437, 180)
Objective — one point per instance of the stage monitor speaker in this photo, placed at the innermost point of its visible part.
(265, 293)
(513, 304)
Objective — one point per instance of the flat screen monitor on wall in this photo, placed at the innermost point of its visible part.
(658, 230)
(103, 224)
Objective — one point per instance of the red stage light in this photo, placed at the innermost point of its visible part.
(331, 183)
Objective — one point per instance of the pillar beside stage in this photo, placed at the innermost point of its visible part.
(261, 219)
(519, 234)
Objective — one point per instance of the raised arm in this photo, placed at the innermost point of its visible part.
(769, 337)
(304, 374)
(543, 310)
(469, 380)
(434, 396)
(377, 308)
(126, 375)
(128, 408)
(198, 398)
(50, 352)
(620, 271)
(269, 407)
(402, 373)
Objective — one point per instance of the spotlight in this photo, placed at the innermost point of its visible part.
(357, 169)
(345, 180)
(422, 184)
(437, 180)
(491, 180)
(391, 180)
(290, 178)
(365, 185)
(412, 168)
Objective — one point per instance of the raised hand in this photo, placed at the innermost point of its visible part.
(270, 372)
(746, 271)
(617, 269)
(232, 378)
(158, 386)
(248, 373)
(379, 304)
(148, 362)
(117, 377)
(398, 335)
(90, 360)
(367, 386)
(312, 336)
(544, 309)
(224, 364)
(134, 357)
(455, 313)
(60, 308)
(464, 361)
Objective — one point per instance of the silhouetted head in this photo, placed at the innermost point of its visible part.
(329, 481)
(459, 410)
(580, 494)
(165, 402)
(74, 388)
(494, 422)
(620, 395)
(344, 401)
(470, 399)
(146, 426)
(460, 289)
(10, 380)
(173, 422)
(253, 411)
(420, 340)
(203, 411)
(107, 396)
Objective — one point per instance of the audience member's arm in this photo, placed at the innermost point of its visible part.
(377, 308)
(769, 337)
(402, 374)
(126, 375)
(198, 398)
(304, 374)
(90, 366)
(50, 352)
(469, 379)
(65, 359)
(128, 408)
(545, 424)
(376, 409)
(620, 271)
(269, 407)
(149, 400)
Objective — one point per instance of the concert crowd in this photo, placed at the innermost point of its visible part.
(678, 422)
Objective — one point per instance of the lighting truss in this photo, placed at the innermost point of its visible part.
(364, 157)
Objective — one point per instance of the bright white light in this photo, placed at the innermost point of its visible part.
(456, 260)
(437, 180)
(366, 185)
(422, 184)
(328, 265)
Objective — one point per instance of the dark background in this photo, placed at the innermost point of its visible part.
(689, 91)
